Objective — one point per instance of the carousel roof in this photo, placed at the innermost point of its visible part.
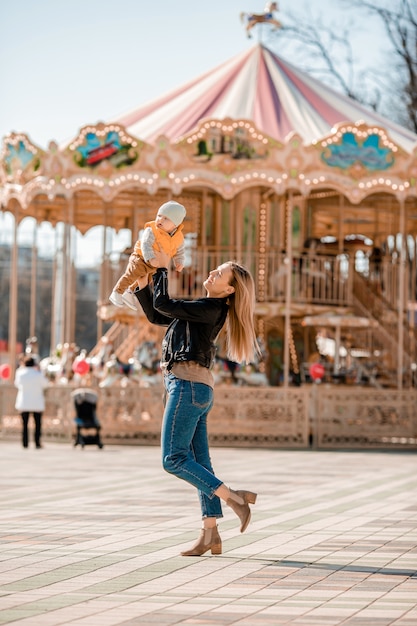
(259, 86)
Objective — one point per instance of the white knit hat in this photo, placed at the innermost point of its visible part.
(174, 211)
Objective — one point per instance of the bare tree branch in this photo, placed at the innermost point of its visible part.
(330, 53)
(399, 19)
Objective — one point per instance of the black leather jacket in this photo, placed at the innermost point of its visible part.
(193, 325)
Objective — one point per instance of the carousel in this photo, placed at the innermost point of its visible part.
(314, 193)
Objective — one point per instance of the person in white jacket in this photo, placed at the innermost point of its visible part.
(30, 398)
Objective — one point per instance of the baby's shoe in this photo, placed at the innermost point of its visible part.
(130, 300)
(116, 298)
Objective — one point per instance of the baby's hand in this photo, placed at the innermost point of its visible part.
(179, 267)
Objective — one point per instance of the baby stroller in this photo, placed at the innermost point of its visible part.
(85, 402)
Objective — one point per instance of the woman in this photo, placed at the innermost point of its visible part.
(188, 351)
(31, 385)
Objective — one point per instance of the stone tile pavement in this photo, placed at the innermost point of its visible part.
(92, 538)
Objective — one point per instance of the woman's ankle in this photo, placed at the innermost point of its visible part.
(209, 522)
(223, 492)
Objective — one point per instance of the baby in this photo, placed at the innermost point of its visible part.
(164, 233)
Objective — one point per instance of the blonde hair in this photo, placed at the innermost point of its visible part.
(240, 328)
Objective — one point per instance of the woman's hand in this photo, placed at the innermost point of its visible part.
(161, 259)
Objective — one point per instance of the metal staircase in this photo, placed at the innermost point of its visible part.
(371, 304)
(122, 338)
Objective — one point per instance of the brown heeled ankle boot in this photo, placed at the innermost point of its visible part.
(209, 539)
(239, 501)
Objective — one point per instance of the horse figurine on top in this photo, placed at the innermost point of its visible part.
(267, 17)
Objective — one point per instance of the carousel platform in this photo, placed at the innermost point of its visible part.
(92, 537)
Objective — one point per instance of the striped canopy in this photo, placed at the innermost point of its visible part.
(259, 86)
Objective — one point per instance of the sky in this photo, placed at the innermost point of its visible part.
(68, 63)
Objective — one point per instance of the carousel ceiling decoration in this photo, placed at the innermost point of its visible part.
(95, 144)
(19, 155)
(254, 120)
(260, 86)
(360, 149)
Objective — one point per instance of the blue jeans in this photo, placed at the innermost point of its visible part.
(184, 439)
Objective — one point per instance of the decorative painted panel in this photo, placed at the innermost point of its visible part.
(107, 143)
(369, 153)
(20, 156)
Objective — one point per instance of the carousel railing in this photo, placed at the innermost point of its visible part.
(313, 415)
(321, 279)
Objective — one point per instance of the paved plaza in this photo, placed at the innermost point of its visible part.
(92, 537)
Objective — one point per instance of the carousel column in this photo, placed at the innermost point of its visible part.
(338, 340)
(59, 289)
(401, 293)
(288, 262)
(54, 336)
(104, 269)
(33, 282)
(13, 301)
(106, 275)
(262, 272)
(202, 262)
(340, 237)
(236, 230)
(218, 231)
(69, 298)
